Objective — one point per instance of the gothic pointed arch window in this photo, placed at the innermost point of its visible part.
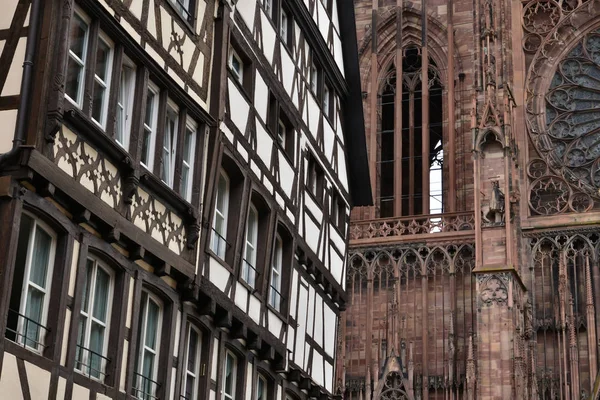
(402, 188)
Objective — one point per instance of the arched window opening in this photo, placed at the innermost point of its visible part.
(400, 187)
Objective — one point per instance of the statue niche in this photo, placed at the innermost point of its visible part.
(493, 212)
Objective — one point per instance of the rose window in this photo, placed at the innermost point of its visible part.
(572, 142)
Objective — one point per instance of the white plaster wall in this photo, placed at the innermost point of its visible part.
(12, 86)
(8, 121)
(10, 384)
(238, 106)
(246, 9)
(330, 330)
(39, 381)
(218, 274)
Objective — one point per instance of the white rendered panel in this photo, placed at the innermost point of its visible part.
(261, 96)
(268, 37)
(177, 332)
(124, 365)
(254, 309)
(173, 376)
(136, 8)
(337, 240)
(9, 379)
(8, 12)
(215, 358)
(294, 293)
(318, 336)
(246, 9)
(264, 145)
(227, 132)
(323, 20)
(336, 266)
(275, 324)
(73, 271)
(286, 174)
(329, 377)
(330, 330)
(314, 113)
(39, 381)
(301, 330)
(219, 275)
(312, 233)
(61, 389)
(288, 69)
(79, 392)
(12, 86)
(291, 335)
(310, 320)
(328, 139)
(241, 296)
(249, 381)
(128, 321)
(238, 106)
(342, 174)
(313, 207)
(318, 373)
(65, 338)
(339, 57)
(8, 121)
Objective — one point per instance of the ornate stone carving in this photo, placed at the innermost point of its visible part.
(493, 211)
(493, 290)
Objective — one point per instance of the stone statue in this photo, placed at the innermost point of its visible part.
(494, 212)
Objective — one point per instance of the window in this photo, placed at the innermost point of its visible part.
(219, 242)
(31, 284)
(328, 102)
(268, 6)
(314, 78)
(125, 104)
(169, 145)
(236, 65)
(150, 323)
(185, 8)
(275, 291)
(150, 120)
(187, 168)
(78, 44)
(192, 363)
(286, 28)
(261, 388)
(229, 376)
(92, 337)
(338, 211)
(249, 261)
(280, 126)
(315, 178)
(102, 72)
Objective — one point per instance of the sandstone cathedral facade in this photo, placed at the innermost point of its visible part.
(476, 275)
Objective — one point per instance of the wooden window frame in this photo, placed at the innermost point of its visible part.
(197, 374)
(315, 180)
(275, 118)
(98, 264)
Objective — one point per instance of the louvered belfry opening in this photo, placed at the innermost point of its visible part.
(400, 166)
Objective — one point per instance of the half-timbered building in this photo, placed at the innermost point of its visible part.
(176, 178)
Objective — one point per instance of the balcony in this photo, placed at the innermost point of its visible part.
(433, 227)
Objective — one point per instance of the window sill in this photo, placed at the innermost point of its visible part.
(188, 26)
(168, 195)
(88, 129)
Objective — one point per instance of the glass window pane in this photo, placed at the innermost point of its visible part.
(222, 192)
(40, 257)
(102, 60)
(149, 108)
(77, 36)
(146, 146)
(192, 349)
(101, 295)
(33, 312)
(87, 284)
(152, 324)
(229, 375)
(261, 389)
(185, 172)
(189, 387)
(98, 102)
(96, 349)
(187, 145)
(148, 368)
(74, 76)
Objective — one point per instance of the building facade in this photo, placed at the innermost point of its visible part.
(176, 200)
(475, 274)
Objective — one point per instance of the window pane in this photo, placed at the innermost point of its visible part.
(33, 312)
(148, 369)
(252, 226)
(101, 295)
(102, 60)
(222, 193)
(189, 387)
(98, 102)
(261, 389)
(152, 324)
(149, 108)
(146, 146)
(229, 375)
(40, 257)
(96, 349)
(87, 285)
(74, 77)
(79, 353)
(187, 145)
(77, 36)
(192, 349)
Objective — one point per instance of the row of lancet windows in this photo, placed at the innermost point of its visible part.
(39, 269)
(410, 129)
